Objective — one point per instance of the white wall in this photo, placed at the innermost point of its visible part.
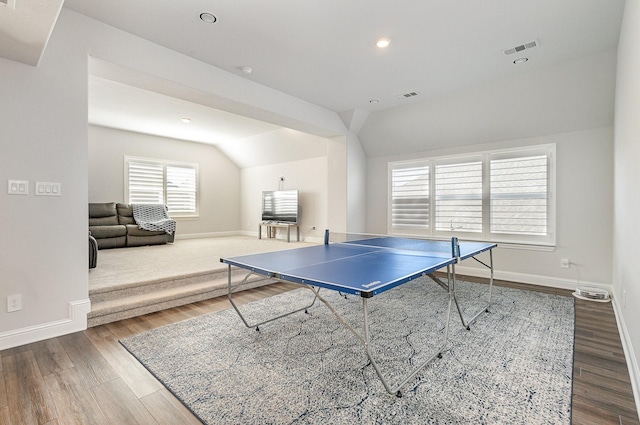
(44, 137)
(570, 104)
(43, 134)
(308, 176)
(337, 184)
(584, 181)
(356, 186)
(626, 239)
(219, 178)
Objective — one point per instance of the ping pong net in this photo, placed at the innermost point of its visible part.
(427, 247)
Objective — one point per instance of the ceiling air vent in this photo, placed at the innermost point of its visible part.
(529, 45)
(407, 95)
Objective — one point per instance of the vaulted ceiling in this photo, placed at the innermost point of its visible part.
(324, 52)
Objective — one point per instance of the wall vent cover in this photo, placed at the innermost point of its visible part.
(592, 293)
(407, 95)
(529, 45)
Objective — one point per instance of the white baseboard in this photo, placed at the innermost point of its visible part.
(76, 322)
(209, 235)
(548, 281)
(629, 354)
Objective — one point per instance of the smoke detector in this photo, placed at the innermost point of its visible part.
(520, 48)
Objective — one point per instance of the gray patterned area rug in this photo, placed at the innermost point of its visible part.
(513, 367)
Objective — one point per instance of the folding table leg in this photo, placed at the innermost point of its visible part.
(257, 325)
(366, 341)
(467, 324)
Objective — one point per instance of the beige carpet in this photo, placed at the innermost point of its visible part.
(122, 266)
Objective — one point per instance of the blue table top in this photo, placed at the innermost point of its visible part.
(365, 267)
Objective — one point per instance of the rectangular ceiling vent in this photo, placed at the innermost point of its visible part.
(8, 3)
(407, 95)
(529, 45)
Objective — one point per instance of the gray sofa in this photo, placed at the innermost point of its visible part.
(113, 226)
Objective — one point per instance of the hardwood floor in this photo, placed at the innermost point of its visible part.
(89, 378)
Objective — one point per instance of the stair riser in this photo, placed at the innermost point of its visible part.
(97, 317)
(170, 283)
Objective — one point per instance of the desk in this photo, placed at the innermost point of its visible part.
(270, 225)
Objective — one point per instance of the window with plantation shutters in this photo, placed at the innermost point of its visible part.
(519, 192)
(181, 189)
(149, 181)
(145, 182)
(502, 196)
(459, 197)
(410, 197)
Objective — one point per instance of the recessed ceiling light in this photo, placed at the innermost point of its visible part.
(520, 60)
(185, 119)
(246, 70)
(208, 17)
(383, 42)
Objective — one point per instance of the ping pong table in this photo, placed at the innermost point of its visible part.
(365, 266)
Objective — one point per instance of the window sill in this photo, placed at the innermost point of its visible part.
(184, 217)
(526, 247)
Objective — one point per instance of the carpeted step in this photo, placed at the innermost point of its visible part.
(149, 297)
(123, 290)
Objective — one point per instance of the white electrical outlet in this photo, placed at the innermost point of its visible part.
(564, 263)
(14, 303)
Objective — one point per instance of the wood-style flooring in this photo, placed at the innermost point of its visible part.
(88, 378)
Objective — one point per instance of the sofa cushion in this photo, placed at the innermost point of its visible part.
(125, 214)
(147, 240)
(107, 243)
(101, 232)
(135, 230)
(103, 214)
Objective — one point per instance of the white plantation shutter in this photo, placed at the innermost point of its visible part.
(519, 195)
(410, 197)
(459, 197)
(175, 185)
(502, 195)
(145, 182)
(181, 189)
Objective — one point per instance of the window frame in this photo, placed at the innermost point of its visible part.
(165, 164)
(547, 240)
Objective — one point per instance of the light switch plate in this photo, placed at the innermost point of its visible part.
(18, 187)
(48, 189)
